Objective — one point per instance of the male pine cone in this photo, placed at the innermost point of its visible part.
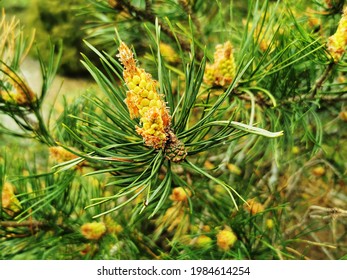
(144, 102)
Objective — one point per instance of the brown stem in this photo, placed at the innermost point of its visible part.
(321, 80)
(22, 224)
(148, 8)
(326, 98)
(147, 15)
(188, 8)
(32, 224)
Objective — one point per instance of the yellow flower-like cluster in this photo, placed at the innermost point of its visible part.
(15, 97)
(222, 71)
(226, 239)
(318, 171)
(203, 241)
(253, 206)
(93, 231)
(337, 43)
(14, 89)
(60, 154)
(176, 218)
(343, 116)
(264, 41)
(270, 223)
(9, 201)
(112, 226)
(313, 20)
(17, 91)
(113, 3)
(169, 53)
(144, 101)
(179, 194)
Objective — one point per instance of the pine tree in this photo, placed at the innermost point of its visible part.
(216, 132)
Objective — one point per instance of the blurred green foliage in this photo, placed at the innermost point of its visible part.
(58, 20)
(54, 21)
(294, 186)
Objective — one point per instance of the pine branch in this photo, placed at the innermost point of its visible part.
(148, 15)
(325, 98)
(22, 224)
(188, 9)
(260, 100)
(33, 224)
(148, 8)
(321, 80)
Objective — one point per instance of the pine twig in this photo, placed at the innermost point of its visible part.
(326, 98)
(322, 247)
(148, 8)
(318, 212)
(147, 15)
(188, 8)
(321, 80)
(22, 224)
(32, 224)
(300, 255)
(305, 97)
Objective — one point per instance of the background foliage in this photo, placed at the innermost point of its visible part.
(289, 192)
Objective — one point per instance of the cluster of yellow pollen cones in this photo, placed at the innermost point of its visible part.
(144, 102)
